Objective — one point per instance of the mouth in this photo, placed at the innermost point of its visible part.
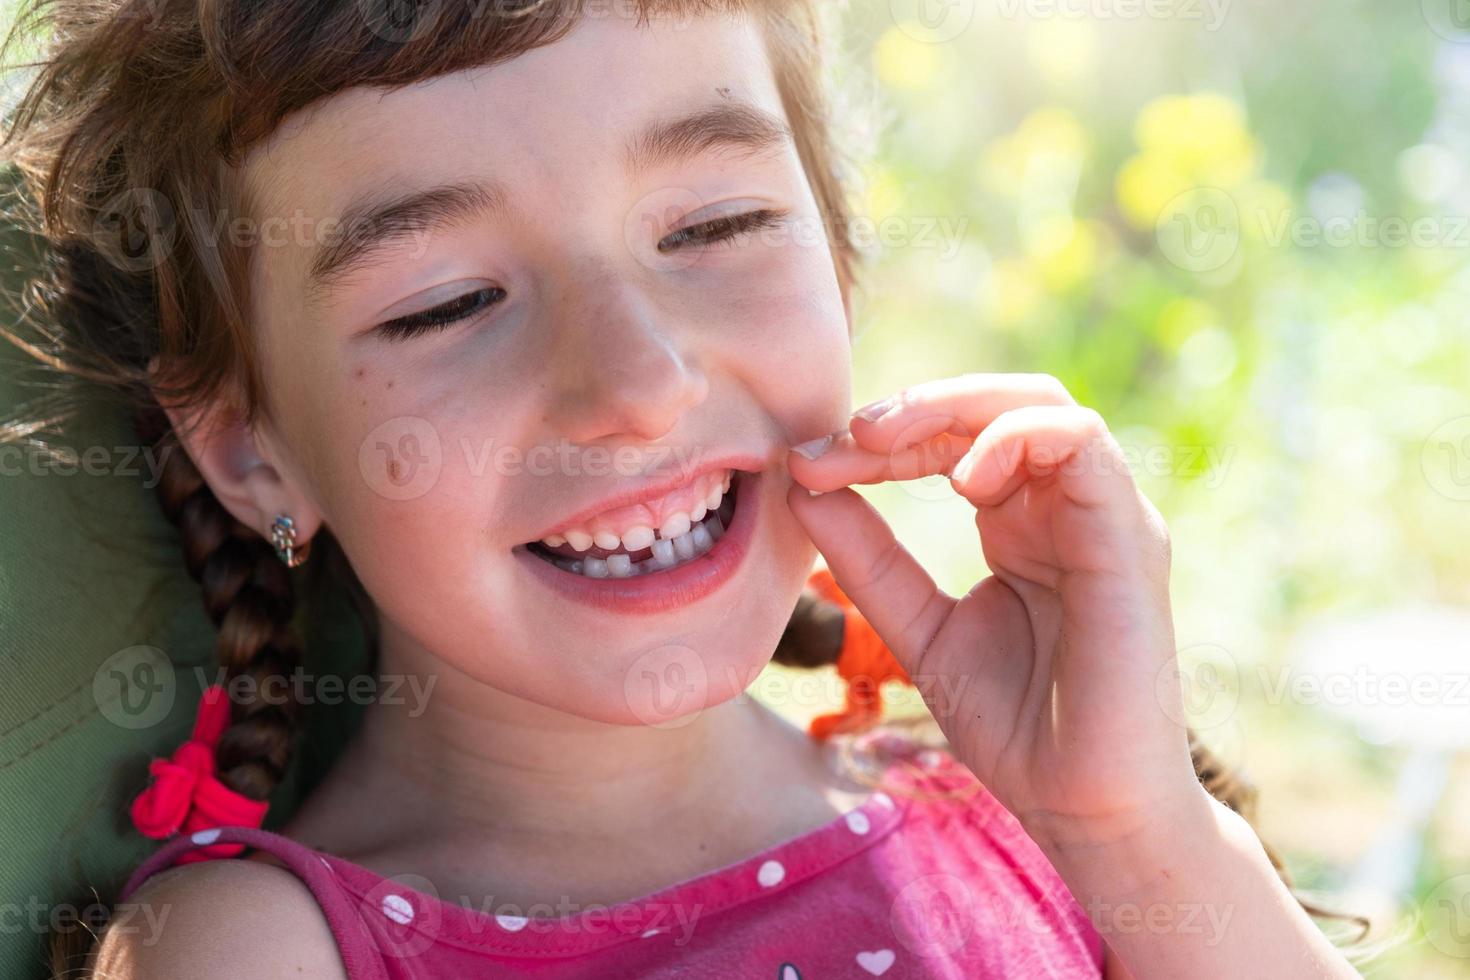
(684, 534)
(655, 556)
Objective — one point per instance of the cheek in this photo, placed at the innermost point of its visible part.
(784, 334)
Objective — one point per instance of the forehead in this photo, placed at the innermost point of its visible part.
(562, 112)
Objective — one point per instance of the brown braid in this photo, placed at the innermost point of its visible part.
(813, 638)
(249, 597)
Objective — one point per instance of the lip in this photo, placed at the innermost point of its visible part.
(645, 492)
(662, 591)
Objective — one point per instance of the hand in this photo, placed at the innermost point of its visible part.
(1045, 676)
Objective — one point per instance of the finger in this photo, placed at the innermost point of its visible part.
(888, 586)
(961, 406)
(843, 462)
(1071, 442)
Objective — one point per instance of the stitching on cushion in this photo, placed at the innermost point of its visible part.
(50, 707)
(49, 738)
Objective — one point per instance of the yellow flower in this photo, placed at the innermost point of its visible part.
(1014, 291)
(1049, 132)
(903, 62)
(1185, 142)
(1078, 257)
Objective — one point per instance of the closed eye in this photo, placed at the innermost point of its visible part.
(460, 308)
(720, 231)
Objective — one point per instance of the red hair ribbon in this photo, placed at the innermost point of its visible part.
(864, 663)
(186, 794)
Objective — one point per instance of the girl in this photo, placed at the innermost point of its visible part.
(541, 315)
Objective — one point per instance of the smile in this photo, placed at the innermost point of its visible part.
(625, 543)
(654, 555)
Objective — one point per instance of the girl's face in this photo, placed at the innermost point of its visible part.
(608, 360)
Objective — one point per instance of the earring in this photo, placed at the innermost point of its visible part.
(283, 539)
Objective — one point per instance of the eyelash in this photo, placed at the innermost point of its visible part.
(720, 232)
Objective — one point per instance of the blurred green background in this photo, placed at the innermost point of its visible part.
(1239, 231)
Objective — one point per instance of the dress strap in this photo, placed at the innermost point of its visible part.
(361, 952)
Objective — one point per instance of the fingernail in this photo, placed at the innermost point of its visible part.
(814, 448)
(963, 469)
(873, 412)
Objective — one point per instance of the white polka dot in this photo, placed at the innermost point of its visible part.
(205, 836)
(930, 759)
(398, 908)
(883, 799)
(512, 923)
(876, 962)
(770, 874)
(857, 822)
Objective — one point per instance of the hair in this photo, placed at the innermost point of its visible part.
(128, 139)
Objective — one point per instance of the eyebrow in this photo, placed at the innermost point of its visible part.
(374, 222)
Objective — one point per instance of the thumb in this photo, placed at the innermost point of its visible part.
(883, 580)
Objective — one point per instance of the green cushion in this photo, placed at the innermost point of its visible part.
(90, 579)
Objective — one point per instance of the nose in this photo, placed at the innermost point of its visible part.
(619, 367)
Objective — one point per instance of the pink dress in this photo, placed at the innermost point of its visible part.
(928, 877)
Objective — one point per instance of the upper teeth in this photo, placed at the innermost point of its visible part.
(638, 536)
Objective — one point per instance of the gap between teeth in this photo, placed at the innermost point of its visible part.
(641, 536)
(667, 553)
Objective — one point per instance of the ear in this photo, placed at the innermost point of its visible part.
(242, 464)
